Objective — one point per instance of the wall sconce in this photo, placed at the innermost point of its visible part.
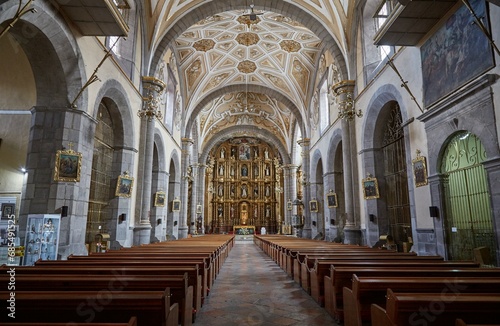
(175, 223)
(372, 217)
(332, 221)
(158, 221)
(122, 218)
(434, 211)
(314, 223)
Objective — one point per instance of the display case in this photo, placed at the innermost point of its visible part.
(42, 238)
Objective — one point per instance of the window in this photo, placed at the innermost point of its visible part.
(324, 107)
(381, 15)
(114, 40)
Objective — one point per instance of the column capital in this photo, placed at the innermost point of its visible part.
(151, 99)
(344, 93)
(304, 142)
(187, 141)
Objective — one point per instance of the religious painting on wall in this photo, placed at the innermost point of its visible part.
(420, 170)
(370, 188)
(458, 52)
(124, 185)
(68, 166)
(244, 152)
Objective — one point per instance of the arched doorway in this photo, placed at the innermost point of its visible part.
(468, 220)
(99, 212)
(396, 179)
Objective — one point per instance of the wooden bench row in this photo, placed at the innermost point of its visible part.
(181, 273)
(341, 277)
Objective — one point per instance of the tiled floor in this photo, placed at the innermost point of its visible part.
(251, 289)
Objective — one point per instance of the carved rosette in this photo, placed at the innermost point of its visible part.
(204, 45)
(290, 46)
(247, 38)
(247, 67)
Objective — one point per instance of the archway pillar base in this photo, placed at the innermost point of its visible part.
(142, 234)
(352, 235)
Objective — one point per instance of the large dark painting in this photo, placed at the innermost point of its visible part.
(456, 53)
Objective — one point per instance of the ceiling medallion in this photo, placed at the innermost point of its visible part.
(247, 20)
(290, 45)
(204, 45)
(246, 66)
(247, 38)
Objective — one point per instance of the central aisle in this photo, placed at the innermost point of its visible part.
(251, 289)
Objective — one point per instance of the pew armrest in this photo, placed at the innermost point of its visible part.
(379, 316)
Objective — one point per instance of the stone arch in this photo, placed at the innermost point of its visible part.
(243, 88)
(228, 133)
(52, 52)
(316, 158)
(160, 147)
(335, 142)
(378, 111)
(375, 114)
(118, 103)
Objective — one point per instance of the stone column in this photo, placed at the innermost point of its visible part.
(152, 89)
(195, 168)
(158, 214)
(344, 92)
(290, 184)
(201, 194)
(306, 168)
(54, 129)
(183, 227)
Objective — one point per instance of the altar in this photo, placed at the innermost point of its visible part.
(244, 232)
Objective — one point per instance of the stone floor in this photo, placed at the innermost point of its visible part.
(252, 290)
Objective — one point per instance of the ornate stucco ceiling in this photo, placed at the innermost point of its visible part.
(260, 75)
(228, 49)
(273, 51)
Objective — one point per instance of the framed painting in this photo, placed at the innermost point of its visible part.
(160, 199)
(124, 186)
(313, 205)
(68, 166)
(457, 52)
(370, 188)
(420, 170)
(331, 199)
(7, 210)
(198, 209)
(176, 205)
(289, 205)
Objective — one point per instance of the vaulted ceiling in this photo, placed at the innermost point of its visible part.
(269, 53)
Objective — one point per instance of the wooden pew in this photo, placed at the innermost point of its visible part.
(196, 281)
(436, 309)
(149, 307)
(131, 322)
(341, 277)
(193, 278)
(321, 269)
(320, 265)
(179, 290)
(167, 259)
(371, 290)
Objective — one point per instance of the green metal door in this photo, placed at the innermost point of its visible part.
(468, 222)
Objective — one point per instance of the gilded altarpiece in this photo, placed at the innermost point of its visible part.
(244, 182)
